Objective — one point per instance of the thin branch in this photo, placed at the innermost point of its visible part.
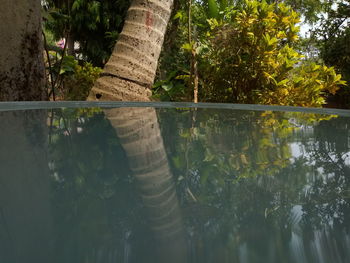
(59, 67)
(51, 126)
(49, 62)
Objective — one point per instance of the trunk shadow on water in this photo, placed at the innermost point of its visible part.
(139, 133)
(25, 217)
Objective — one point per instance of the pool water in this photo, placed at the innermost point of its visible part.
(174, 184)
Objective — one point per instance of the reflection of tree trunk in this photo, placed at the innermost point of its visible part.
(140, 136)
(25, 221)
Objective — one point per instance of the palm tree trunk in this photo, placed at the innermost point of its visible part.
(22, 75)
(130, 72)
(139, 133)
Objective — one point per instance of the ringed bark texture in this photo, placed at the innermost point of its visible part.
(22, 74)
(140, 136)
(130, 72)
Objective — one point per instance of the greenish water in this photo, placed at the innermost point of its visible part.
(92, 185)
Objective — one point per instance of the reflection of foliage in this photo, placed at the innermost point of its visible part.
(242, 186)
(326, 197)
(216, 155)
(91, 183)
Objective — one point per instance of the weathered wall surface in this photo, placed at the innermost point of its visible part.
(21, 51)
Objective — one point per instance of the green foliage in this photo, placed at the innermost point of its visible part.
(249, 58)
(306, 87)
(95, 24)
(247, 52)
(213, 8)
(308, 8)
(177, 50)
(170, 89)
(66, 66)
(67, 79)
(78, 85)
(332, 39)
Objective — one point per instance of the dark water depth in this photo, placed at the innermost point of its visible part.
(145, 185)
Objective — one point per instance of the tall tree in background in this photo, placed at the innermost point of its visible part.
(94, 24)
(333, 39)
(21, 59)
(130, 72)
(310, 9)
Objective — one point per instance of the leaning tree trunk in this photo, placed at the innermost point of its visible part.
(130, 72)
(139, 133)
(22, 68)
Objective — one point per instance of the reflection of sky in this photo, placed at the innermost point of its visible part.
(297, 150)
(324, 243)
(323, 246)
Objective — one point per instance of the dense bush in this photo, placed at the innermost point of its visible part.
(68, 78)
(249, 58)
(78, 85)
(94, 24)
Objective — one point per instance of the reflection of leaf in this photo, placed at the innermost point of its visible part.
(233, 161)
(208, 156)
(268, 211)
(244, 159)
(176, 161)
(185, 134)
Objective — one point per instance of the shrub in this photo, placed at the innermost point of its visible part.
(78, 85)
(249, 57)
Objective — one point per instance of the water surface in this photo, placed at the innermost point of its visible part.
(179, 185)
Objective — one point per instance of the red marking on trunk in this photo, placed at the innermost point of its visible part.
(149, 20)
